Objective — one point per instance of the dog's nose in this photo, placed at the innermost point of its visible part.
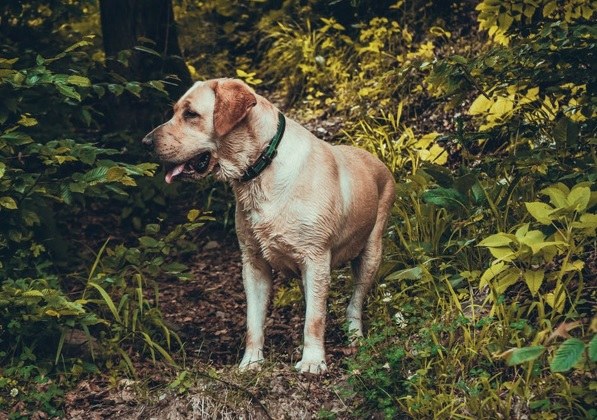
(148, 140)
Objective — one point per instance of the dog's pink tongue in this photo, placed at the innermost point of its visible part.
(177, 170)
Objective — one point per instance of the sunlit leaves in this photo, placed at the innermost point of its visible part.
(534, 280)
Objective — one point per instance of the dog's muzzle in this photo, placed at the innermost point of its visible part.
(198, 165)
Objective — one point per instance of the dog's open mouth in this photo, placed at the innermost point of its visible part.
(198, 165)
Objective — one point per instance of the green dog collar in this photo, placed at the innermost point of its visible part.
(268, 154)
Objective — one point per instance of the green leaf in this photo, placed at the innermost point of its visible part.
(507, 279)
(480, 105)
(566, 132)
(147, 50)
(94, 175)
(534, 280)
(567, 355)
(78, 45)
(505, 20)
(540, 211)
(573, 265)
(587, 221)
(16, 138)
(524, 354)
(107, 300)
(8, 202)
(116, 89)
(491, 272)
(148, 241)
(414, 273)
(78, 81)
(503, 253)
(2, 169)
(134, 88)
(498, 240)
(522, 231)
(33, 293)
(174, 268)
(448, 198)
(556, 196)
(501, 107)
(593, 349)
(27, 120)
(549, 8)
(87, 155)
(559, 293)
(115, 173)
(157, 85)
(68, 91)
(193, 214)
(579, 198)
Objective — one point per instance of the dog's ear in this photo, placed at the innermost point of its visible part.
(234, 99)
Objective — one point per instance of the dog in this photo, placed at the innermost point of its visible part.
(303, 206)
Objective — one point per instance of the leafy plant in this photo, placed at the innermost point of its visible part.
(525, 254)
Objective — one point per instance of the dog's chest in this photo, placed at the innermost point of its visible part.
(273, 231)
(281, 232)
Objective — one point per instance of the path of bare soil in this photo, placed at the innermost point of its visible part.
(208, 313)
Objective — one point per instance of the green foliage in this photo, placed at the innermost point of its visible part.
(525, 130)
(491, 249)
(57, 166)
(567, 355)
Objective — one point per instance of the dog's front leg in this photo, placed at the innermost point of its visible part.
(316, 282)
(257, 279)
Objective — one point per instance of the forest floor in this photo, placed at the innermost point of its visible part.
(208, 313)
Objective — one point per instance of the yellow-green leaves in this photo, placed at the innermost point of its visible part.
(8, 203)
(540, 211)
(557, 298)
(249, 78)
(564, 202)
(480, 105)
(27, 120)
(534, 280)
(80, 81)
(521, 256)
(193, 214)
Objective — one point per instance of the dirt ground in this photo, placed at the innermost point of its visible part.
(208, 313)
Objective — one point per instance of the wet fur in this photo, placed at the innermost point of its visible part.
(316, 207)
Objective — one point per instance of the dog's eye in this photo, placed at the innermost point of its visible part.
(189, 114)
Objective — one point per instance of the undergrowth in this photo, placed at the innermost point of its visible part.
(485, 113)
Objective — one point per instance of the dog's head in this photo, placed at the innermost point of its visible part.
(203, 116)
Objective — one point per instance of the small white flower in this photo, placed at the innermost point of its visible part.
(400, 320)
(14, 392)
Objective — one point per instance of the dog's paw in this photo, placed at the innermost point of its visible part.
(251, 360)
(316, 367)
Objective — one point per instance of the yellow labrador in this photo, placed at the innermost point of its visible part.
(303, 206)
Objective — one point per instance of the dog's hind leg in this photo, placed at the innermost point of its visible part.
(365, 266)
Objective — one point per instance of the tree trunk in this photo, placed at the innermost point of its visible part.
(127, 24)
